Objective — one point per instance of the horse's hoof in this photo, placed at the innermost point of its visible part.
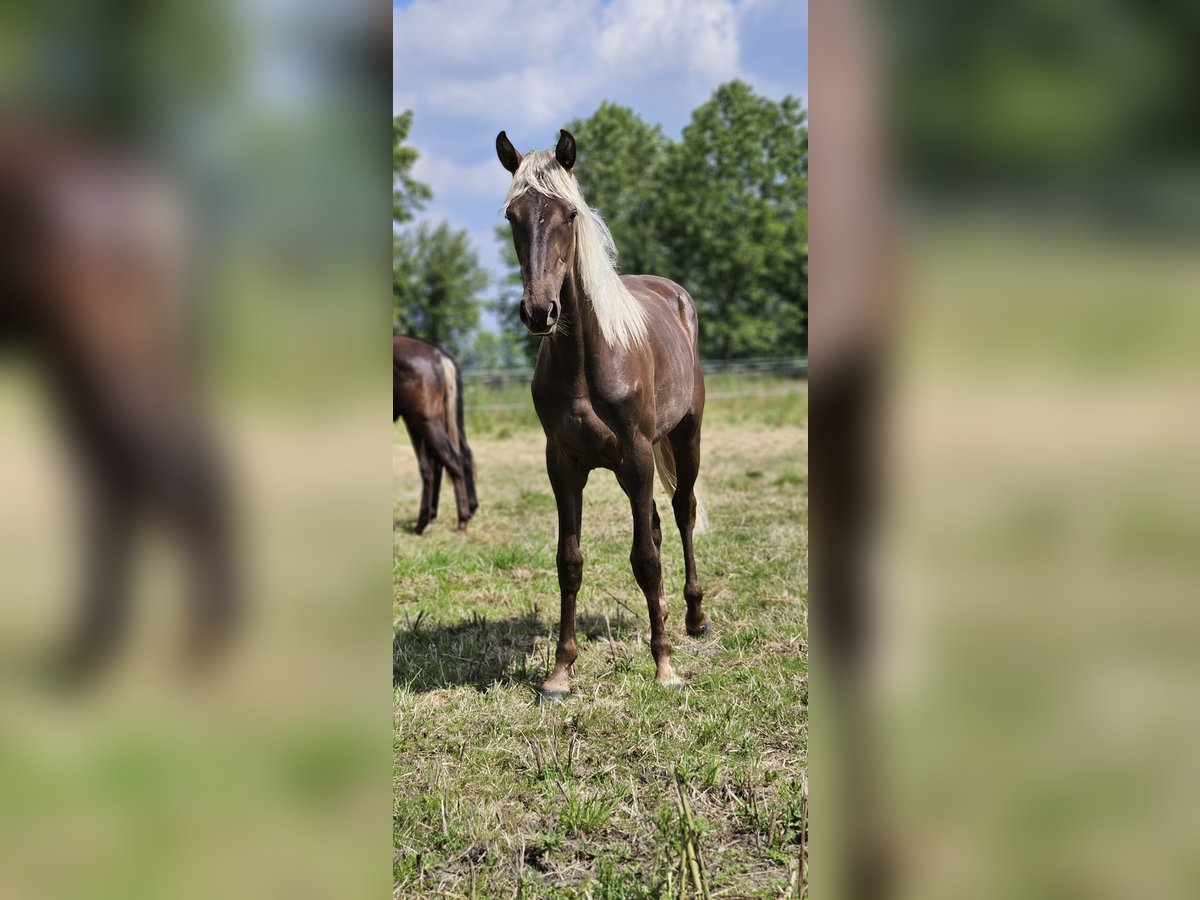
(548, 698)
(674, 683)
(704, 630)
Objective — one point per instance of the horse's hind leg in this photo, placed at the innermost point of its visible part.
(441, 447)
(197, 501)
(425, 467)
(437, 489)
(468, 461)
(685, 443)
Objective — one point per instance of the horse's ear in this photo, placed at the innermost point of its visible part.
(509, 157)
(565, 151)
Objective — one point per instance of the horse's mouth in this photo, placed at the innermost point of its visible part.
(549, 331)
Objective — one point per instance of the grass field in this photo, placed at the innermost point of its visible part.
(623, 789)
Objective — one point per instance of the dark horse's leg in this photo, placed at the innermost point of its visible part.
(197, 503)
(442, 449)
(468, 460)
(636, 476)
(110, 519)
(567, 480)
(425, 465)
(437, 489)
(685, 443)
(464, 449)
(138, 463)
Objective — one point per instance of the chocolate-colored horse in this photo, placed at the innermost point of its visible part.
(427, 392)
(617, 385)
(91, 283)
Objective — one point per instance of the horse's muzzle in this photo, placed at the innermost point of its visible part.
(540, 320)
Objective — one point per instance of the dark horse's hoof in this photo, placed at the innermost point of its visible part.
(704, 630)
(546, 697)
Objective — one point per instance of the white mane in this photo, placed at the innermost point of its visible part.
(621, 318)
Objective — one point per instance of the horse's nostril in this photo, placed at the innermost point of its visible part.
(552, 314)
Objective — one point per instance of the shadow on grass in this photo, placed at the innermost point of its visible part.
(484, 653)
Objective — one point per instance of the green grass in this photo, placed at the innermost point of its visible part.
(496, 796)
(733, 398)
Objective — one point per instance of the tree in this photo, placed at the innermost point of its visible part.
(408, 194)
(436, 275)
(436, 283)
(618, 170)
(733, 213)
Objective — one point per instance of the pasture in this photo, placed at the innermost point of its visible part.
(623, 790)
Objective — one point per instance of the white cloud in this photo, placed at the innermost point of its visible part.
(446, 176)
(693, 35)
(531, 63)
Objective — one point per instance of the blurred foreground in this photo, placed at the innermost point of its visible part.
(1005, 510)
(231, 318)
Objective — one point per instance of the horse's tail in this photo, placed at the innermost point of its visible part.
(451, 399)
(664, 461)
(458, 407)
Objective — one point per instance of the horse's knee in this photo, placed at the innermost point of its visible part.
(570, 568)
(647, 568)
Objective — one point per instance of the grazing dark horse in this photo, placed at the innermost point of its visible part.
(427, 392)
(92, 286)
(617, 385)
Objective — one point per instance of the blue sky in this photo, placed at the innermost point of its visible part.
(469, 68)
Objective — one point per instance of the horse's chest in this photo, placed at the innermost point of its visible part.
(574, 426)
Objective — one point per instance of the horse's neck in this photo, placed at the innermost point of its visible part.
(571, 350)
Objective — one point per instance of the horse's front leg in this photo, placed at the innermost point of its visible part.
(637, 478)
(567, 480)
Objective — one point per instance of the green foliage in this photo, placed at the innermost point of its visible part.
(498, 350)
(619, 170)
(436, 283)
(408, 194)
(733, 209)
(994, 94)
(436, 274)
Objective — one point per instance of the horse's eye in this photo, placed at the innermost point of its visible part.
(571, 217)
(508, 214)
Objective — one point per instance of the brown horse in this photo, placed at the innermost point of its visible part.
(92, 286)
(617, 385)
(427, 392)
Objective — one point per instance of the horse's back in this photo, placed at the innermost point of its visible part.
(418, 377)
(677, 300)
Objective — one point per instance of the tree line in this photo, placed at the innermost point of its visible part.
(723, 211)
